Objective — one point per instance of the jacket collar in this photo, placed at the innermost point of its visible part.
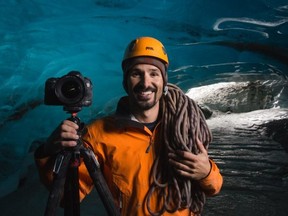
(124, 117)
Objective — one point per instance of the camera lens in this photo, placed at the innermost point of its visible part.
(70, 90)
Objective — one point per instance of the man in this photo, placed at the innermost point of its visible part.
(146, 169)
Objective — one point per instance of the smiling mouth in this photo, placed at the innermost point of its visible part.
(144, 95)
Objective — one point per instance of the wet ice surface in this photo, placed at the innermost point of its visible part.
(255, 175)
(255, 168)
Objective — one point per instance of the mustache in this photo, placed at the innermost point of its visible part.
(140, 88)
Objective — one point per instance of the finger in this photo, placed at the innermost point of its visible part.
(69, 143)
(179, 166)
(68, 128)
(185, 155)
(186, 158)
(184, 170)
(200, 145)
(70, 124)
(69, 135)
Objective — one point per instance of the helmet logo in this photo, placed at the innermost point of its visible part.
(149, 48)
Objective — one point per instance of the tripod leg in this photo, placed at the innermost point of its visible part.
(94, 170)
(71, 191)
(56, 193)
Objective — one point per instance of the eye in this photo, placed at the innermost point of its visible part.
(155, 73)
(135, 73)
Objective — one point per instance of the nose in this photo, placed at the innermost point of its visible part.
(145, 80)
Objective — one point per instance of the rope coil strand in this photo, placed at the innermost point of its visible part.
(183, 122)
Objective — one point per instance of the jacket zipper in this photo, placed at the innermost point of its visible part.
(152, 138)
(150, 144)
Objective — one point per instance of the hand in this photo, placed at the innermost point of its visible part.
(65, 135)
(190, 165)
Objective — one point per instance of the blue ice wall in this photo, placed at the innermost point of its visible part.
(207, 41)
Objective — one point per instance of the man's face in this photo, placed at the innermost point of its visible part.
(145, 86)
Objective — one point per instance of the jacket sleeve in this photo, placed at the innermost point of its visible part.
(212, 183)
(45, 166)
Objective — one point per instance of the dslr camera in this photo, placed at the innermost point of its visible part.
(72, 91)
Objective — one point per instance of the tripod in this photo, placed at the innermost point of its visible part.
(66, 178)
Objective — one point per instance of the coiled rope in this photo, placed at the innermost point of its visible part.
(182, 123)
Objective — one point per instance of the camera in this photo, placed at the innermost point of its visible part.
(73, 91)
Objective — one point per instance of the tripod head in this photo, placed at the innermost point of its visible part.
(74, 118)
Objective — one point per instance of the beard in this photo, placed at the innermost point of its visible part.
(145, 105)
(144, 99)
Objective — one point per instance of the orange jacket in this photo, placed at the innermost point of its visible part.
(125, 150)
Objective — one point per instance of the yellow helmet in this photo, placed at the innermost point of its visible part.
(145, 50)
(146, 47)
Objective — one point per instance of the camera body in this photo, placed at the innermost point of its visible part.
(73, 91)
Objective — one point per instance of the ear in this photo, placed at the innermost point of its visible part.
(165, 90)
